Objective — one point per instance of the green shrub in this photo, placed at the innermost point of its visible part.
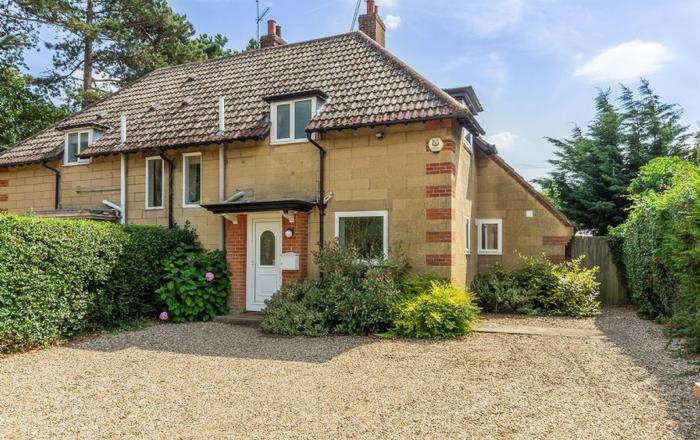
(353, 297)
(539, 287)
(414, 284)
(61, 277)
(196, 284)
(443, 311)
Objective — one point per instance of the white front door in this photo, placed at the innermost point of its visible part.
(264, 255)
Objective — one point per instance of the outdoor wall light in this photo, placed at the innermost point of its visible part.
(289, 233)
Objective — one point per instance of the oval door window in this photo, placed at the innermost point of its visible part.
(267, 248)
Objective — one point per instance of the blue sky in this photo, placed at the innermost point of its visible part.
(535, 64)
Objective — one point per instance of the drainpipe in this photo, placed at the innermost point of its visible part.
(57, 195)
(222, 194)
(171, 170)
(321, 192)
(122, 187)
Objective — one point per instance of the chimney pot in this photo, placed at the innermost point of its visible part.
(370, 7)
(273, 37)
(278, 31)
(271, 26)
(372, 25)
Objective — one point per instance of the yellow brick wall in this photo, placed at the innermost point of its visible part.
(501, 196)
(465, 265)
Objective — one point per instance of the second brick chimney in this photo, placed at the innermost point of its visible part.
(273, 37)
(372, 24)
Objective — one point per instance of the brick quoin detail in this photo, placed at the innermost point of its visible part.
(438, 260)
(438, 237)
(447, 145)
(299, 244)
(236, 255)
(4, 197)
(439, 191)
(4, 183)
(439, 214)
(556, 258)
(553, 240)
(440, 168)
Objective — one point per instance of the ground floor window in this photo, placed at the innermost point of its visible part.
(192, 179)
(490, 240)
(365, 231)
(154, 183)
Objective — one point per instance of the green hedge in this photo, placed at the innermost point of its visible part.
(61, 277)
(660, 245)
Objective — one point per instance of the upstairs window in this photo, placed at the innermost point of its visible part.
(290, 118)
(154, 183)
(192, 180)
(76, 142)
(364, 231)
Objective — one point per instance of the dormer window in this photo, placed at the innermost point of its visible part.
(290, 118)
(76, 142)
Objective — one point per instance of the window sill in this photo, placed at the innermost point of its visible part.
(483, 252)
(191, 206)
(288, 141)
(153, 208)
(75, 164)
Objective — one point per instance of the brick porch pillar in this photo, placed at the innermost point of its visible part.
(236, 255)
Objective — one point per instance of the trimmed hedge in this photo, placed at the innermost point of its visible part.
(659, 245)
(61, 277)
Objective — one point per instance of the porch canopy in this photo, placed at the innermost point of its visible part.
(299, 205)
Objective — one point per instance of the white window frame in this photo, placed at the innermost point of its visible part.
(489, 221)
(65, 148)
(184, 180)
(467, 139)
(273, 119)
(162, 184)
(468, 238)
(385, 229)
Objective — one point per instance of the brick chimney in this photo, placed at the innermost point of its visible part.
(273, 37)
(372, 24)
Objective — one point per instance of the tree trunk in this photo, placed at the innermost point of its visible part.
(87, 54)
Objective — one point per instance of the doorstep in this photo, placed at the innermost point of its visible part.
(248, 319)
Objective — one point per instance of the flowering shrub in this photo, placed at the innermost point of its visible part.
(196, 284)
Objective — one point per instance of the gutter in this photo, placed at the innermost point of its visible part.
(57, 195)
(171, 170)
(321, 188)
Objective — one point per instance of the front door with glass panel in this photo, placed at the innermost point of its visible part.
(264, 254)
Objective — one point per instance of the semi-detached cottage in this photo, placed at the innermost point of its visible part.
(271, 152)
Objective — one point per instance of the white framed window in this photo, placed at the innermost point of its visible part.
(290, 118)
(490, 236)
(75, 143)
(155, 181)
(191, 180)
(467, 235)
(468, 139)
(366, 231)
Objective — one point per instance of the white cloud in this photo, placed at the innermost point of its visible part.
(492, 16)
(392, 21)
(503, 140)
(626, 61)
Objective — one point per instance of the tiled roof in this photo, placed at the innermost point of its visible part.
(178, 106)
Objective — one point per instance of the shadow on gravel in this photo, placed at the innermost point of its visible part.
(644, 342)
(222, 340)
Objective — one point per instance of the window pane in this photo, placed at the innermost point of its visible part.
(155, 183)
(267, 248)
(84, 137)
(193, 179)
(72, 149)
(365, 234)
(283, 121)
(489, 236)
(302, 116)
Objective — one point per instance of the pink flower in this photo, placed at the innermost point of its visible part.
(163, 316)
(209, 277)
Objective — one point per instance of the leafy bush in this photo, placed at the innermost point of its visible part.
(196, 284)
(353, 297)
(442, 311)
(539, 287)
(414, 284)
(61, 277)
(661, 245)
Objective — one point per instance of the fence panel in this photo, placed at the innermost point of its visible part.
(612, 286)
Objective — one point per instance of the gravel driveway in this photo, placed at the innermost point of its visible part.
(218, 381)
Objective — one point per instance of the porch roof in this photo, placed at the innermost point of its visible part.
(260, 205)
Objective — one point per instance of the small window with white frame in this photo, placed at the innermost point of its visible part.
(365, 231)
(75, 143)
(290, 118)
(192, 180)
(467, 138)
(467, 235)
(154, 183)
(490, 236)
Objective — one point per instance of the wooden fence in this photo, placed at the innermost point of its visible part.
(612, 285)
